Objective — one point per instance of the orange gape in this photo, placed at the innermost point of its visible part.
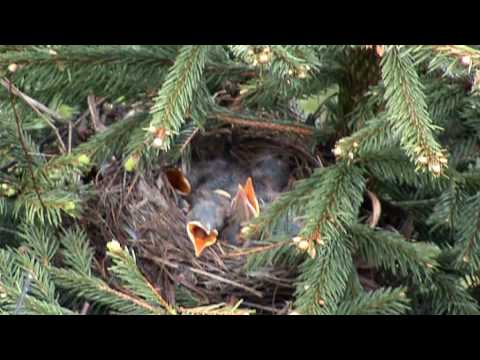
(200, 238)
(252, 197)
(245, 205)
(178, 181)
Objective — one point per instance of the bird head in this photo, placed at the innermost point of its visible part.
(271, 173)
(206, 219)
(202, 236)
(245, 204)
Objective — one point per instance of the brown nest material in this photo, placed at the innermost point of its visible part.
(145, 213)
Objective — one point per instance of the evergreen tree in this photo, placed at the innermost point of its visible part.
(397, 129)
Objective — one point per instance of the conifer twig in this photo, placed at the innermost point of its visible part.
(36, 106)
(25, 149)
(459, 52)
(303, 131)
(25, 289)
(7, 84)
(130, 298)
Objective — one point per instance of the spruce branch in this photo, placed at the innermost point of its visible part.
(265, 125)
(98, 292)
(468, 234)
(37, 108)
(125, 267)
(333, 207)
(176, 95)
(392, 252)
(466, 55)
(407, 112)
(25, 149)
(385, 301)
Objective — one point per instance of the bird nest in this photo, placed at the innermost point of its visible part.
(148, 214)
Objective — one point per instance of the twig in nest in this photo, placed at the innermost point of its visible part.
(87, 112)
(255, 250)
(92, 106)
(36, 106)
(189, 140)
(377, 210)
(25, 149)
(213, 310)
(156, 259)
(299, 130)
(264, 308)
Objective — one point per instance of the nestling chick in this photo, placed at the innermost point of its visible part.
(244, 207)
(224, 197)
(270, 175)
(214, 184)
(207, 218)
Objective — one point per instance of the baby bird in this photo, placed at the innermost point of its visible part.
(207, 218)
(270, 174)
(244, 207)
(224, 196)
(214, 201)
(269, 177)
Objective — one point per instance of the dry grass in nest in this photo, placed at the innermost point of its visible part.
(144, 213)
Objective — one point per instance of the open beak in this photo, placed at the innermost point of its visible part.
(245, 202)
(178, 180)
(251, 197)
(201, 236)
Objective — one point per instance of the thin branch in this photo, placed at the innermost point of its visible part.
(132, 299)
(32, 102)
(188, 141)
(458, 52)
(204, 273)
(69, 137)
(98, 102)
(25, 149)
(36, 106)
(257, 249)
(303, 131)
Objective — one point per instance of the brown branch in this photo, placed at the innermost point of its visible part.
(36, 106)
(256, 249)
(164, 302)
(130, 298)
(157, 259)
(302, 131)
(25, 149)
(32, 102)
(189, 140)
